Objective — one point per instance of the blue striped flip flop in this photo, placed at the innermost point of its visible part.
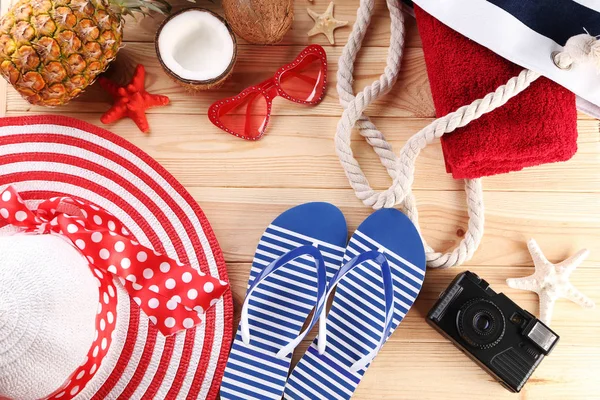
(297, 254)
(357, 323)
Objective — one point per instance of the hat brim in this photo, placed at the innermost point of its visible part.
(46, 156)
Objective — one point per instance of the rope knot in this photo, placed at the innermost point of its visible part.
(402, 168)
(581, 48)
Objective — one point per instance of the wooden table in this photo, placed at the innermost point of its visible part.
(242, 186)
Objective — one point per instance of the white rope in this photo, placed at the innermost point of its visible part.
(401, 169)
(378, 88)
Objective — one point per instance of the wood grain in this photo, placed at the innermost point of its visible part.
(573, 323)
(416, 354)
(299, 152)
(378, 34)
(240, 215)
(242, 186)
(411, 96)
(434, 371)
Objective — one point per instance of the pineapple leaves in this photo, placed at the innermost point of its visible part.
(143, 7)
(154, 7)
(131, 7)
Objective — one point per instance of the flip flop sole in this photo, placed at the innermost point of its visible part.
(355, 321)
(281, 303)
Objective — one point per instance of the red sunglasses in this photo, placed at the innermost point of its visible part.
(247, 114)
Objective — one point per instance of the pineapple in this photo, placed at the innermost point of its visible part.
(51, 50)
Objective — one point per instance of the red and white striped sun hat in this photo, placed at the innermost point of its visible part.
(112, 283)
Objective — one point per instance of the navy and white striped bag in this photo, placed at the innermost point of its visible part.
(530, 33)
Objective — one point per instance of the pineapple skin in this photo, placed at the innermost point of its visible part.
(51, 50)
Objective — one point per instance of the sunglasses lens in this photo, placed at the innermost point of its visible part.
(245, 117)
(305, 82)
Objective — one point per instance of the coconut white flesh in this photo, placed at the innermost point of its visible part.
(196, 45)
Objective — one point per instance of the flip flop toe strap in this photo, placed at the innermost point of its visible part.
(388, 290)
(306, 250)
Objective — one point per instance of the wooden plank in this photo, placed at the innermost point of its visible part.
(378, 34)
(581, 115)
(199, 154)
(416, 352)
(577, 324)
(410, 97)
(240, 215)
(439, 370)
(242, 186)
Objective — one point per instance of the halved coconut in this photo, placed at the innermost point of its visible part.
(197, 48)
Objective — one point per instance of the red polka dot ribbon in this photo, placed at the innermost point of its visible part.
(173, 295)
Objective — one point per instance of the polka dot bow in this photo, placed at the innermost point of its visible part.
(175, 296)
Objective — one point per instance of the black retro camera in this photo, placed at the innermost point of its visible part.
(505, 340)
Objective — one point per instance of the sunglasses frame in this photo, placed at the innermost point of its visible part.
(270, 89)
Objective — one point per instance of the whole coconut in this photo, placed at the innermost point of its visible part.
(260, 21)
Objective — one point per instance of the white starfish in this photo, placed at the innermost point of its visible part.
(551, 281)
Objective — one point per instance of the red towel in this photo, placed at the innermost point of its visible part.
(536, 127)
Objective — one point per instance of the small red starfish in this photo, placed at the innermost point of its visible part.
(132, 100)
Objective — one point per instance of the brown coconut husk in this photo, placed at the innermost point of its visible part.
(190, 84)
(260, 21)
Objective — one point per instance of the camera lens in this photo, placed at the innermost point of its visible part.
(481, 323)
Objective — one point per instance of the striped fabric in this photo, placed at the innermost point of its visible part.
(278, 309)
(354, 324)
(46, 156)
(527, 32)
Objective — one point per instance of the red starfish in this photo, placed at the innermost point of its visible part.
(132, 100)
